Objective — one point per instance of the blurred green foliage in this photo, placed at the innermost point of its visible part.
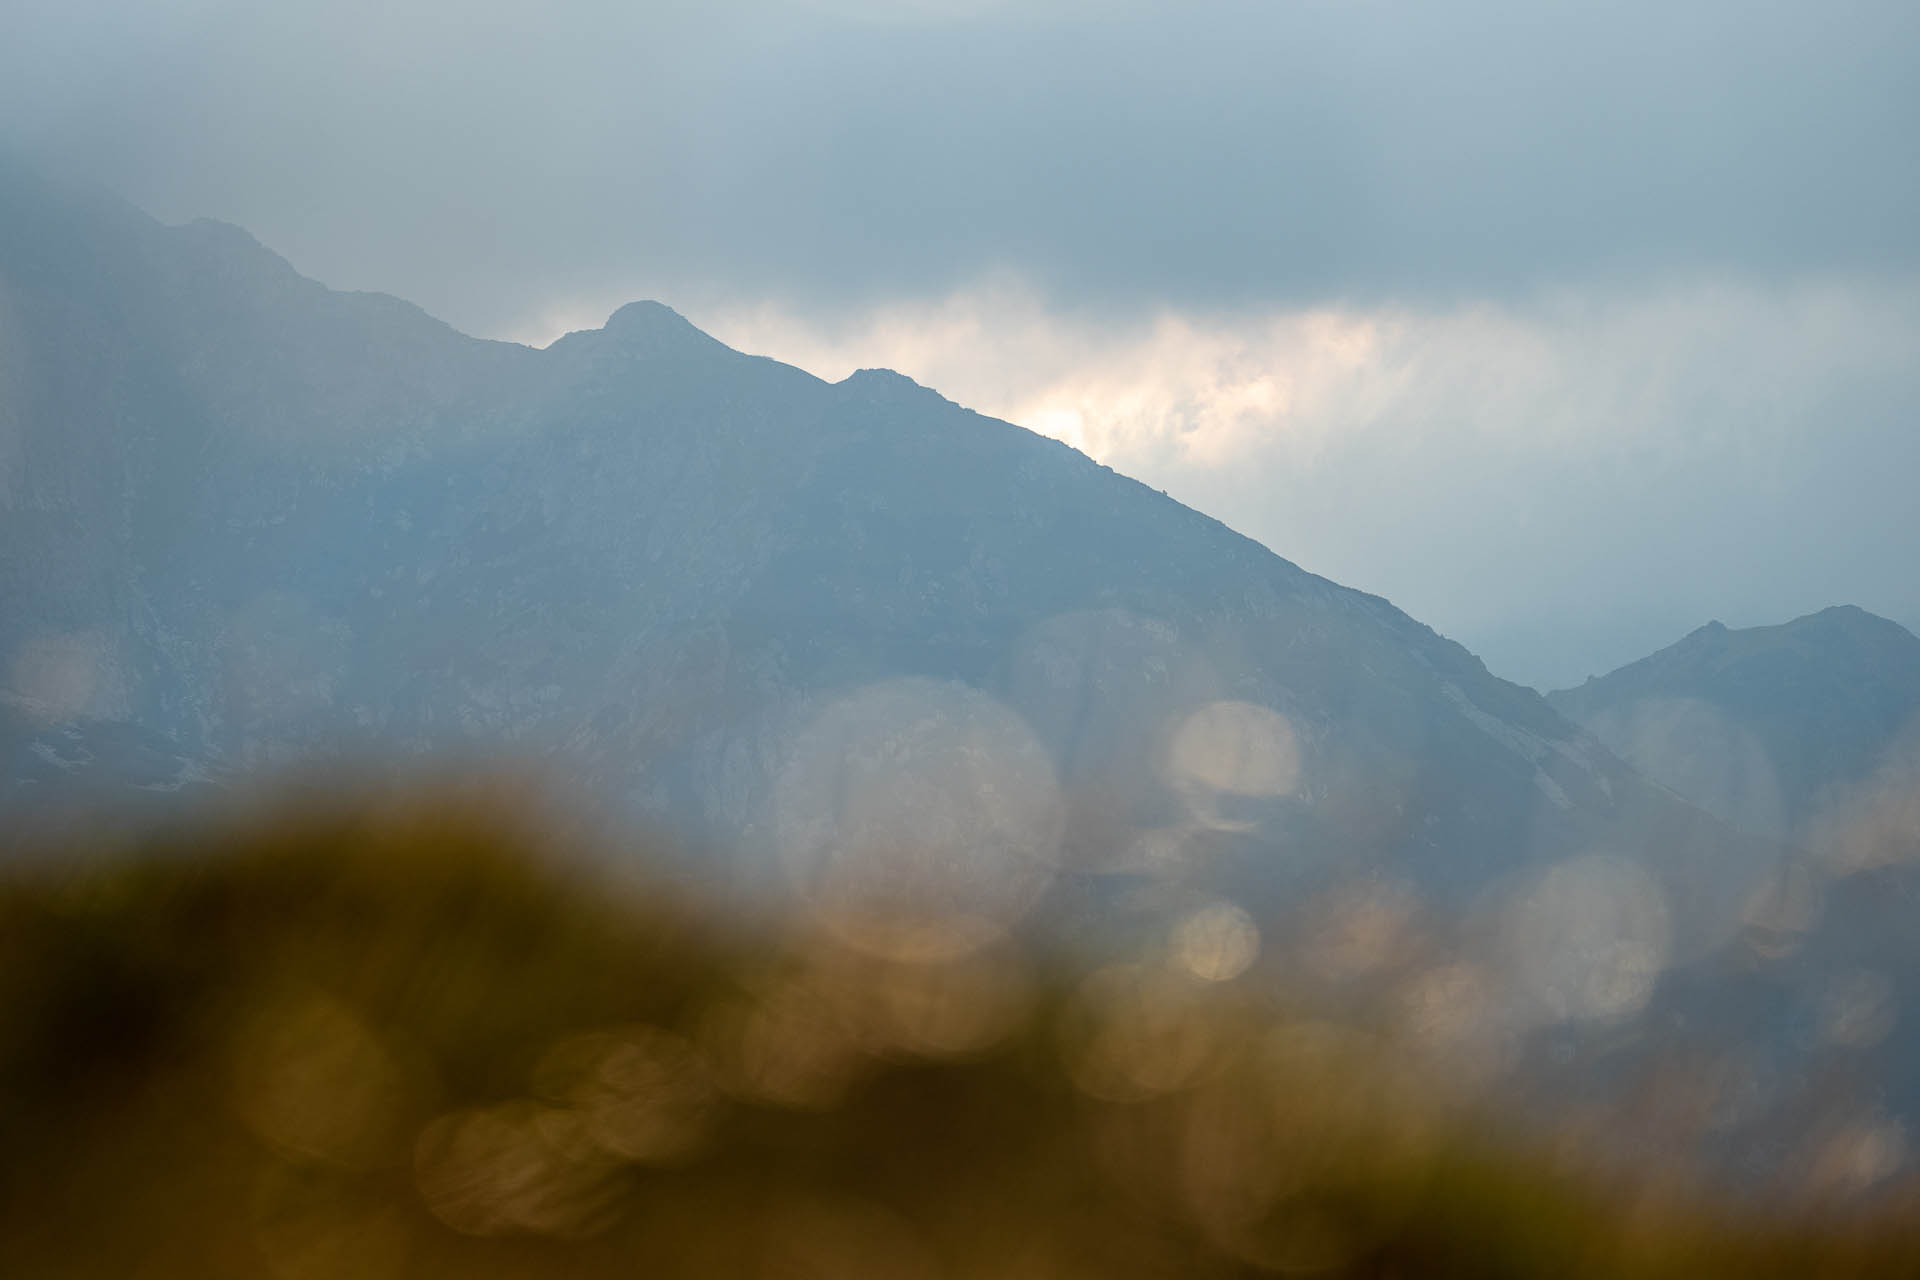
(374, 1038)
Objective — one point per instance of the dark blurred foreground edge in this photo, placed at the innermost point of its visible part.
(372, 1038)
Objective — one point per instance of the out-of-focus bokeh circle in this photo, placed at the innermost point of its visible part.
(1588, 937)
(918, 819)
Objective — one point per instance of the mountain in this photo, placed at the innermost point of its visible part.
(1807, 731)
(894, 647)
(55, 770)
(1785, 730)
(268, 522)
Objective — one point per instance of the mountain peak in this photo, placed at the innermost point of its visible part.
(1709, 633)
(879, 378)
(645, 330)
(885, 386)
(649, 319)
(1850, 615)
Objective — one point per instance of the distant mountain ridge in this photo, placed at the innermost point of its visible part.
(1807, 731)
(1767, 727)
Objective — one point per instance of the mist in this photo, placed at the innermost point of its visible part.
(1493, 194)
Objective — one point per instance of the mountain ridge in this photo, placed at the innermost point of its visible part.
(290, 522)
(1762, 725)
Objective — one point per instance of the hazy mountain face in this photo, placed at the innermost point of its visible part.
(272, 522)
(931, 665)
(1808, 731)
(1789, 731)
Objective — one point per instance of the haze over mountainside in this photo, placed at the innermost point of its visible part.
(1807, 731)
(1781, 730)
(270, 522)
(248, 522)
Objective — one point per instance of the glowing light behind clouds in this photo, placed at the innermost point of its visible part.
(1563, 484)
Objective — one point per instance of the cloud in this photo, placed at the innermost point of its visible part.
(489, 159)
(1564, 483)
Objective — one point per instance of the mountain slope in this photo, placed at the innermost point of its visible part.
(1769, 727)
(1809, 731)
(272, 522)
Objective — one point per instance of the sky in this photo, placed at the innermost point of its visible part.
(1567, 328)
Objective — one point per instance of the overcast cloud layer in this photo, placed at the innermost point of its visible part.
(1566, 327)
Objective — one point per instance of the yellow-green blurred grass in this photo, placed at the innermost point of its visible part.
(371, 1038)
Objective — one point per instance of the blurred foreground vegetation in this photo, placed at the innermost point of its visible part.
(376, 1038)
